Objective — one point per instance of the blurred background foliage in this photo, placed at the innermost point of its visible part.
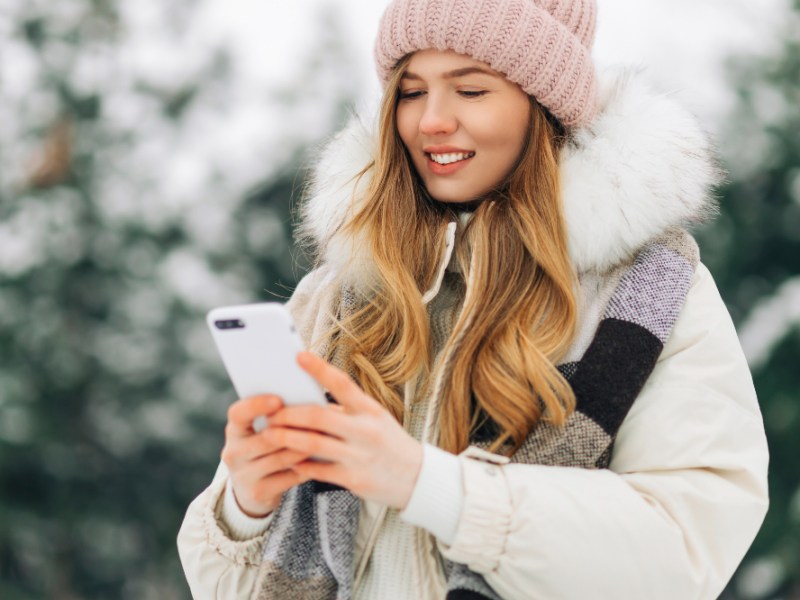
(753, 250)
(128, 208)
(120, 225)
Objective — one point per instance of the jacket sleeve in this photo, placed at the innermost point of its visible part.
(215, 564)
(684, 497)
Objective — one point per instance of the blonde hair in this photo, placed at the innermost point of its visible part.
(519, 313)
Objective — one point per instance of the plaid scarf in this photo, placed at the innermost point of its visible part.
(309, 553)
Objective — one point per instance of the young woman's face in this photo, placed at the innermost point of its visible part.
(463, 124)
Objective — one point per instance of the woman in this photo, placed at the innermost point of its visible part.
(539, 391)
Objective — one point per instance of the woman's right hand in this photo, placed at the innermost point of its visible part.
(259, 472)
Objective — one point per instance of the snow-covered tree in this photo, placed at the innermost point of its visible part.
(753, 249)
(143, 181)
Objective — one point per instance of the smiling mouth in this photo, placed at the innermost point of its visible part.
(450, 165)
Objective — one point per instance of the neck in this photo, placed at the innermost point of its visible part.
(460, 207)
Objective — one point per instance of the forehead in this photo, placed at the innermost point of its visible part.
(445, 64)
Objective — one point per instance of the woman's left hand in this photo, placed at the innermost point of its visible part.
(367, 451)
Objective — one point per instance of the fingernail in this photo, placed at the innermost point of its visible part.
(302, 359)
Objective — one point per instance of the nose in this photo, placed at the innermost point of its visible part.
(438, 117)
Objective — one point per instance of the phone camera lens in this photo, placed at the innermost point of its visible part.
(229, 324)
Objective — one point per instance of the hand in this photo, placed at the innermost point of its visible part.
(366, 449)
(259, 471)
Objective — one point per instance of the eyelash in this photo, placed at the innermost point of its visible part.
(466, 94)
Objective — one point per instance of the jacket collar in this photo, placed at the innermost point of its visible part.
(642, 166)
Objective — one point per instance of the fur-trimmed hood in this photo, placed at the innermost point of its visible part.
(642, 166)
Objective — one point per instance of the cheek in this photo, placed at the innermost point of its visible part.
(505, 140)
(406, 127)
(510, 135)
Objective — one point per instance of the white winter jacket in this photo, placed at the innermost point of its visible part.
(686, 490)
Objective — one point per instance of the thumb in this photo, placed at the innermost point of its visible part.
(346, 392)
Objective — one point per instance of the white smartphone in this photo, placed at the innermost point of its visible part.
(258, 344)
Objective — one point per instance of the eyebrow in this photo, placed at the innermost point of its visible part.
(452, 74)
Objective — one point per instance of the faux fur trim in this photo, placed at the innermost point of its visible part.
(642, 166)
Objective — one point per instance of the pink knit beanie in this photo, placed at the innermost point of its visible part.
(544, 46)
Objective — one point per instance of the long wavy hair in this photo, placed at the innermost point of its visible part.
(519, 313)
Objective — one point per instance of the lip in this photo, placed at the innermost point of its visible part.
(443, 150)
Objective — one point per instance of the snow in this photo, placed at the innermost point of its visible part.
(770, 321)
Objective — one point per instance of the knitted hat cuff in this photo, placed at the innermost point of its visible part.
(541, 45)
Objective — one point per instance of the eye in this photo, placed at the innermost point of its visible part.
(472, 93)
(410, 95)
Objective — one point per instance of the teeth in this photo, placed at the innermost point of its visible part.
(446, 159)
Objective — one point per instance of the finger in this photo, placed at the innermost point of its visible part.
(324, 472)
(327, 420)
(268, 465)
(260, 482)
(314, 444)
(240, 450)
(277, 483)
(338, 383)
(242, 413)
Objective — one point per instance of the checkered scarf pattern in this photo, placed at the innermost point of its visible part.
(309, 553)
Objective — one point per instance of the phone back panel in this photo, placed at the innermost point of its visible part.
(258, 345)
